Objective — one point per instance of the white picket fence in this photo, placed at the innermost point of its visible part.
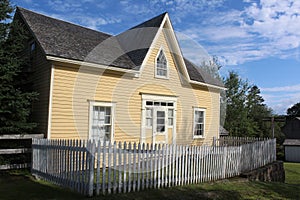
(94, 167)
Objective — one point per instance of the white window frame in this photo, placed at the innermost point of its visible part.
(103, 104)
(167, 65)
(194, 119)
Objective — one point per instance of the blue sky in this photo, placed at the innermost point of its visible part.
(260, 39)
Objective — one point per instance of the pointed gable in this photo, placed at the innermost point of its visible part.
(137, 40)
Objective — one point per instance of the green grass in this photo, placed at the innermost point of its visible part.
(20, 185)
(292, 173)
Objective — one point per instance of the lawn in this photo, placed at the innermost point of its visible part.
(20, 185)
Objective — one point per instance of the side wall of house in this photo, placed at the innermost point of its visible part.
(40, 78)
(74, 87)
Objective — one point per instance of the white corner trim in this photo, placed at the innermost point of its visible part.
(88, 64)
(50, 102)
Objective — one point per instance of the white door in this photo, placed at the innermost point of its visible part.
(160, 125)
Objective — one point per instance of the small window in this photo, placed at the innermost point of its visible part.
(161, 66)
(199, 122)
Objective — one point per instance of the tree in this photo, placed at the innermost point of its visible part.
(294, 111)
(245, 108)
(236, 121)
(15, 101)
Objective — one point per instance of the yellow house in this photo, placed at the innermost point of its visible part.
(135, 86)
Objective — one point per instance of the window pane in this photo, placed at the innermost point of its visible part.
(160, 128)
(149, 112)
(148, 122)
(107, 129)
(101, 114)
(170, 113)
(200, 120)
(149, 103)
(108, 110)
(107, 119)
(160, 114)
(160, 121)
(170, 104)
(170, 121)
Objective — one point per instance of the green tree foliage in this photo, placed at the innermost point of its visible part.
(294, 111)
(15, 101)
(245, 109)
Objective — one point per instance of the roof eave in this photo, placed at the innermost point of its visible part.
(207, 85)
(89, 64)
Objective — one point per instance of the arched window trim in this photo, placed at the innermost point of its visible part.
(159, 69)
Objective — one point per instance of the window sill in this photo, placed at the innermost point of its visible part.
(162, 77)
(198, 137)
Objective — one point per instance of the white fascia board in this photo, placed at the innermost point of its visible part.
(208, 85)
(88, 64)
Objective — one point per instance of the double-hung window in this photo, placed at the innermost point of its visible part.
(199, 123)
(101, 121)
(161, 70)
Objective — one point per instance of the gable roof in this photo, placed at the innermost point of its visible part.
(126, 50)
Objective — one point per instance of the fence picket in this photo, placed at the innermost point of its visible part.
(129, 167)
(115, 167)
(124, 168)
(159, 166)
(139, 168)
(134, 170)
(109, 152)
(120, 167)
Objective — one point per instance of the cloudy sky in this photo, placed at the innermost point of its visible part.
(259, 39)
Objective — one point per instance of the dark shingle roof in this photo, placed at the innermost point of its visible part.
(154, 22)
(66, 40)
(125, 50)
(200, 75)
(137, 40)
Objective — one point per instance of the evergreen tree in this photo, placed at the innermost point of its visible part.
(246, 110)
(236, 115)
(294, 111)
(15, 101)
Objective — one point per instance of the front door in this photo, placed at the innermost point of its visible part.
(160, 124)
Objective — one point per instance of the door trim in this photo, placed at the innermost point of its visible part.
(158, 98)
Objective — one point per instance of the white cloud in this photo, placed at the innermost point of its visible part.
(265, 29)
(281, 102)
(281, 98)
(292, 88)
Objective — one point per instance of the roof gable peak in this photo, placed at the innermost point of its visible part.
(153, 22)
